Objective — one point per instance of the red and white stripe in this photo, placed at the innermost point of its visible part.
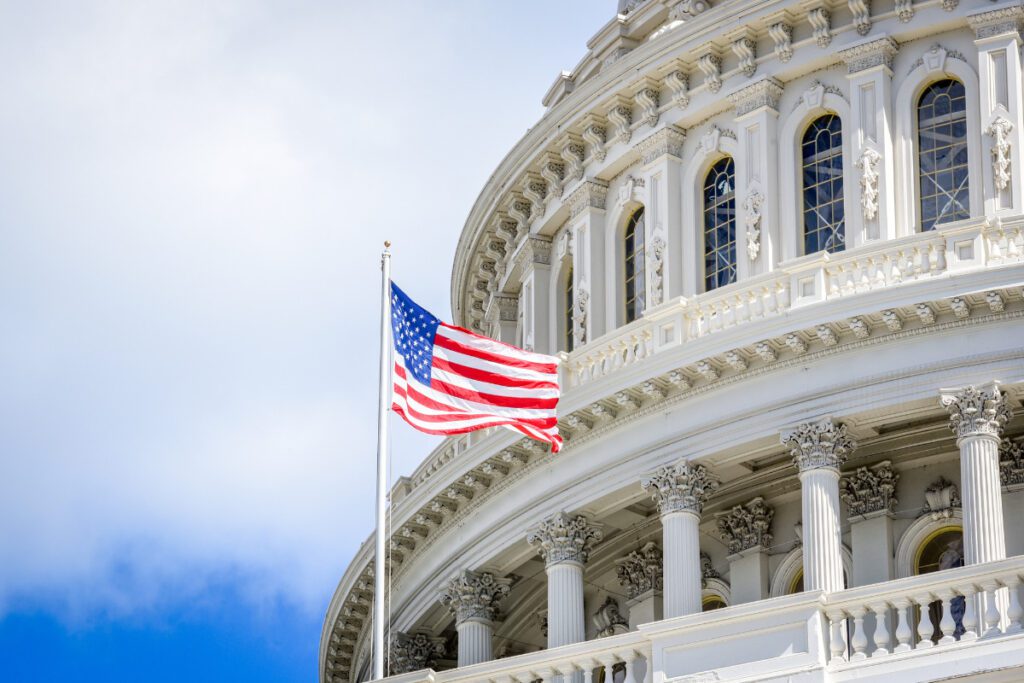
(476, 383)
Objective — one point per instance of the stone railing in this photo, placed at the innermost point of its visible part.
(956, 248)
(973, 612)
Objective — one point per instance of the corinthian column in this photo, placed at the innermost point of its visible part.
(473, 598)
(818, 449)
(681, 490)
(564, 542)
(977, 417)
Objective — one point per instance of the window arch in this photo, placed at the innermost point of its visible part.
(822, 172)
(942, 153)
(635, 265)
(720, 224)
(567, 311)
(943, 549)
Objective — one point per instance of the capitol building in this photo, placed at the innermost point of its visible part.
(779, 248)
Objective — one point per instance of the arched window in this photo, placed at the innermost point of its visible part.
(943, 549)
(822, 154)
(720, 225)
(568, 311)
(942, 153)
(712, 602)
(634, 253)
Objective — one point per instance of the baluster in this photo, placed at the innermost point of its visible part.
(881, 638)
(629, 657)
(837, 645)
(859, 641)
(1012, 252)
(895, 273)
(649, 666)
(991, 616)
(970, 620)
(609, 668)
(865, 279)
(588, 672)
(947, 624)
(567, 672)
(1014, 612)
(933, 259)
(904, 633)
(995, 247)
(782, 296)
(924, 622)
(547, 675)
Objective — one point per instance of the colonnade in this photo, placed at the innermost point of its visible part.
(681, 490)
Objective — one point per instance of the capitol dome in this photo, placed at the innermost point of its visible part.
(779, 248)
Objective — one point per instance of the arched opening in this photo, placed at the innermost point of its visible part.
(942, 549)
(634, 253)
(712, 602)
(822, 172)
(720, 225)
(944, 186)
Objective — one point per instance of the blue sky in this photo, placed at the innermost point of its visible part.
(192, 201)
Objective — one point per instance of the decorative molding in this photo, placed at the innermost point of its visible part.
(999, 131)
(904, 10)
(620, 115)
(977, 411)
(533, 250)
(579, 316)
(413, 652)
(997, 22)
(475, 596)
(561, 538)
(934, 59)
(707, 568)
(1011, 463)
(821, 24)
(747, 526)
(595, 134)
(878, 52)
(764, 93)
(745, 49)
(861, 10)
(710, 64)
(680, 487)
(647, 99)
(608, 619)
(816, 445)
(656, 267)
(940, 499)
(553, 173)
(641, 570)
(684, 9)
(781, 33)
(870, 489)
(752, 218)
(590, 194)
(667, 141)
(572, 152)
(867, 164)
(679, 83)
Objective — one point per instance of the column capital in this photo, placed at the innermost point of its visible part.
(667, 141)
(763, 93)
(589, 195)
(822, 444)
(1011, 463)
(870, 54)
(997, 22)
(642, 570)
(561, 538)
(870, 489)
(681, 487)
(473, 596)
(977, 411)
(412, 652)
(747, 526)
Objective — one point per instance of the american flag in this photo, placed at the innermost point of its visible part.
(449, 380)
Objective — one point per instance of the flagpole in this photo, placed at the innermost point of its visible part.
(382, 461)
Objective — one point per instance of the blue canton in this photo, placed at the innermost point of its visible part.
(412, 329)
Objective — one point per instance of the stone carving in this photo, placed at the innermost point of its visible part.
(710, 141)
(736, 361)
(561, 538)
(892, 320)
(977, 411)
(595, 135)
(819, 444)
(766, 352)
(1011, 463)
(827, 335)
(1006, 20)
(589, 195)
(904, 10)
(762, 93)
(687, 8)
(796, 344)
(861, 10)
(667, 141)
(707, 370)
(472, 595)
(860, 328)
(647, 100)
(868, 55)
(520, 210)
(781, 34)
(707, 569)
(821, 23)
(572, 155)
(641, 570)
(961, 309)
(870, 489)
(579, 318)
(553, 172)
(926, 314)
(413, 652)
(745, 50)
(609, 620)
(542, 622)
(656, 257)
(679, 83)
(680, 487)
(536, 191)
(747, 526)
(940, 498)
(995, 302)
(621, 116)
(868, 166)
(752, 217)
(710, 65)
(999, 131)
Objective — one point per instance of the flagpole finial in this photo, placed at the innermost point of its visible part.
(387, 244)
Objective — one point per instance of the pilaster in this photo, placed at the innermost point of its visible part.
(533, 260)
(870, 497)
(587, 223)
(746, 529)
(758, 245)
(412, 652)
(661, 156)
(502, 317)
(869, 72)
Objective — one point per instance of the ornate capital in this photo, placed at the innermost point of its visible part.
(878, 52)
(413, 652)
(747, 526)
(977, 411)
(502, 308)
(534, 250)
(474, 596)
(589, 195)
(666, 141)
(997, 22)
(561, 538)
(870, 489)
(763, 93)
(815, 445)
(680, 487)
(641, 570)
(1011, 463)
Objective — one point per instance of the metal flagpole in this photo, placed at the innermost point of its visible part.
(382, 460)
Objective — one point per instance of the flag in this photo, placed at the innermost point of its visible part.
(448, 380)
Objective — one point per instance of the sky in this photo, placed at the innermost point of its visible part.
(193, 197)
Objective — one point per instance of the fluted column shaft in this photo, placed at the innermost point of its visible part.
(565, 604)
(475, 641)
(682, 575)
(823, 562)
(981, 494)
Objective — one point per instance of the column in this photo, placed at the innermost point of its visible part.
(681, 490)
(818, 449)
(473, 598)
(977, 417)
(871, 206)
(564, 542)
(661, 155)
(758, 246)
(870, 497)
(413, 652)
(587, 226)
(999, 74)
(746, 529)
